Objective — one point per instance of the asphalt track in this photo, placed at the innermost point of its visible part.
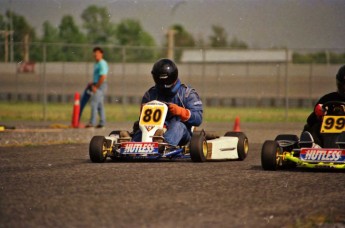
(57, 186)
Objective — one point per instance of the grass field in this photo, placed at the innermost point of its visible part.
(120, 113)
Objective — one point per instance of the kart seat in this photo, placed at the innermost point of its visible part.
(306, 140)
(341, 140)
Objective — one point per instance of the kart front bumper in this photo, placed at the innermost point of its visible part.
(305, 164)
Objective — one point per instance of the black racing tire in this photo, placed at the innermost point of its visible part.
(269, 155)
(198, 147)
(242, 145)
(96, 149)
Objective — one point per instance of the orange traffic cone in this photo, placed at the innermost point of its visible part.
(76, 110)
(237, 125)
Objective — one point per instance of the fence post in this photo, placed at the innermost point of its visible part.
(246, 88)
(218, 83)
(310, 83)
(63, 95)
(286, 84)
(44, 83)
(17, 81)
(124, 87)
(328, 58)
(189, 76)
(203, 74)
(87, 77)
(277, 85)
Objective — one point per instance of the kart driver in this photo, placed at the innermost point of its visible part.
(185, 106)
(314, 120)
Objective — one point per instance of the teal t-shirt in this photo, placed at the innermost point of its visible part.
(100, 68)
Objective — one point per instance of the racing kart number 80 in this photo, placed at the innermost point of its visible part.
(201, 147)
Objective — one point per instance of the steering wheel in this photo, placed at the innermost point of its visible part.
(334, 107)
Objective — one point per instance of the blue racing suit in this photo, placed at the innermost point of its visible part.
(178, 132)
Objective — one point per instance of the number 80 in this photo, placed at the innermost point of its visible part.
(154, 115)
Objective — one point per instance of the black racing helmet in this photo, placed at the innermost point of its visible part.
(164, 73)
(341, 80)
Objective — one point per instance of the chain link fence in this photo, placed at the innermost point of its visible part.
(56, 71)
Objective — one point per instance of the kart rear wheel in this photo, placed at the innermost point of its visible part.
(270, 158)
(97, 149)
(242, 145)
(198, 147)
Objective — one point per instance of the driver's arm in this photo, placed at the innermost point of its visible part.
(312, 119)
(194, 105)
(315, 116)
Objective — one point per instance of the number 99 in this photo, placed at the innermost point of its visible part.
(340, 123)
(329, 123)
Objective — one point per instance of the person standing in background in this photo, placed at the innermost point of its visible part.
(96, 90)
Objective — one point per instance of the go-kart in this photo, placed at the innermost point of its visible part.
(202, 146)
(289, 151)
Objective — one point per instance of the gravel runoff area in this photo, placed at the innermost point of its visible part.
(38, 133)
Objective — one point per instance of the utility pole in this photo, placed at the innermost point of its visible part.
(11, 29)
(171, 32)
(26, 48)
(6, 34)
(171, 43)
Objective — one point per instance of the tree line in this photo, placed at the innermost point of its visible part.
(98, 29)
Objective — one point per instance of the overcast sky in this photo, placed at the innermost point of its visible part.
(260, 23)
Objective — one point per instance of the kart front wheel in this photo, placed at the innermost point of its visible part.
(242, 145)
(198, 148)
(97, 149)
(270, 155)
